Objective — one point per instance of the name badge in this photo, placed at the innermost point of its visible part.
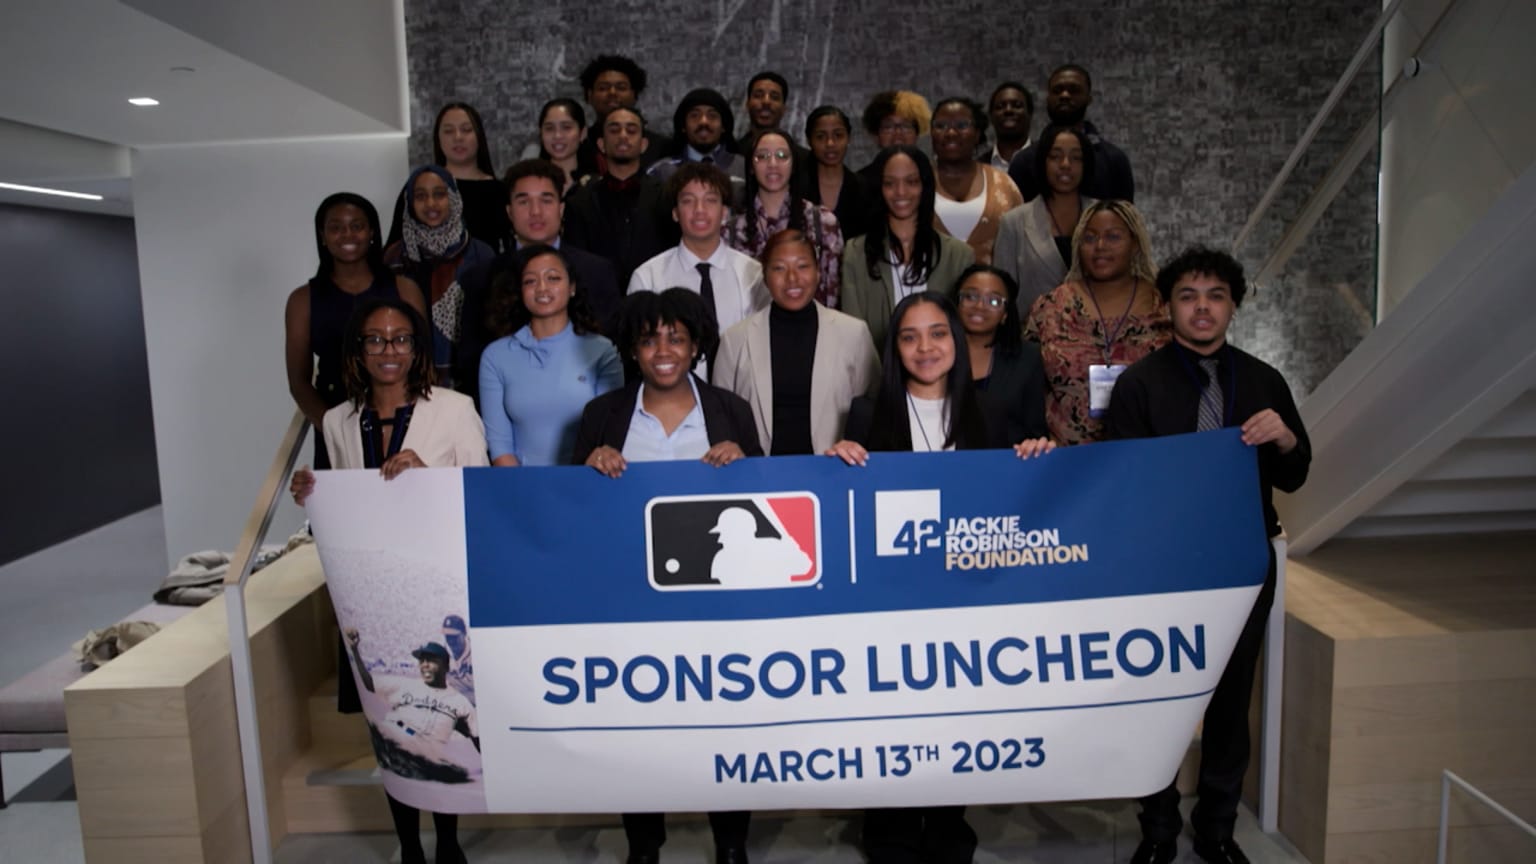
(1101, 382)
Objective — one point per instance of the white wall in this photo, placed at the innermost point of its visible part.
(1457, 135)
(225, 232)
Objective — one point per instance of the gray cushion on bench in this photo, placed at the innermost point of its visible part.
(35, 702)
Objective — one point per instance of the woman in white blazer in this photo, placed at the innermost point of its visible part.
(797, 363)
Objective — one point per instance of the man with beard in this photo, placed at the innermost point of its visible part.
(1068, 96)
(622, 215)
(1011, 110)
(701, 132)
(613, 81)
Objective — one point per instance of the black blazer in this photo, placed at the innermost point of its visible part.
(1017, 387)
(595, 222)
(605, 420)
(594, 278)
(861, 421)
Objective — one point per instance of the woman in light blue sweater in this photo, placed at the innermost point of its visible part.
(548, 364)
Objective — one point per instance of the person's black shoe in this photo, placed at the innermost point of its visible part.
(1219, 850)
(1155, 852)
(643, 858)
(730, 855)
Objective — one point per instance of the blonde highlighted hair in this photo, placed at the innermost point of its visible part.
(1142, 265)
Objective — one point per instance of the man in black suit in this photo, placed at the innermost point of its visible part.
(1067, 97)
(623, 215)
(1199, 382)
(535, 210)
(613, 81)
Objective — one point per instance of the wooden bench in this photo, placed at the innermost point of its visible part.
(32, 707)
(156, 748)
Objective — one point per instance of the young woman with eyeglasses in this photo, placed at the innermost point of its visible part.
(771, 204)
(395, 420)
(1003, 365)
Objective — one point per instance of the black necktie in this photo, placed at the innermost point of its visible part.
(707, 289)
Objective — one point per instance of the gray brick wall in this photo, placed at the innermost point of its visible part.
(1206, 96)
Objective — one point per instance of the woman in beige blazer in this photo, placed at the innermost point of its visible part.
(903, 254)
(797, 363)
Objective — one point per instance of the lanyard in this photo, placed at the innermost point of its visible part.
(916, 415)
(1111, 335)
(1229, 395)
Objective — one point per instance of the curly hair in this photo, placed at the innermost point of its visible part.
(613, 63)
(505, 313)
(645, 312)
(1204, 261)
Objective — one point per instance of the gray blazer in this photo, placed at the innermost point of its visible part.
(1026, 251)
(844, 367)
(874, 299)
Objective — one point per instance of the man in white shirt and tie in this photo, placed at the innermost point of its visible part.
(730, 282)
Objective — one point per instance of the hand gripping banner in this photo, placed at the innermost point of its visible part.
(792, 632)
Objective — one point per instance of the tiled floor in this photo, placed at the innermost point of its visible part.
(58, 594)
(1094, 832)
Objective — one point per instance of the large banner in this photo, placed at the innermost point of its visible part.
(794, 632)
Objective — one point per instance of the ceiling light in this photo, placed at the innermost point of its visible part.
(143, 101)
(41, 191)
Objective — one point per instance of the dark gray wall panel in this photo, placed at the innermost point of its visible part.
(77, 430)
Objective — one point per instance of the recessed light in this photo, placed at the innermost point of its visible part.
(41, 191)
(143, 101)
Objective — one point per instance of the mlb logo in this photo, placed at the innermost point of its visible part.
(733, 542)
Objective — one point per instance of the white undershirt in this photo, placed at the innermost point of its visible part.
(929, 421)
(962, 217)
(899, 287)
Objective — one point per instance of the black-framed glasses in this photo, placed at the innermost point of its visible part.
(762, 156)
(375, 345)
(971, 298)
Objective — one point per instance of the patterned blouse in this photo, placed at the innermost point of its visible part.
(1071, 337)
(820, 225)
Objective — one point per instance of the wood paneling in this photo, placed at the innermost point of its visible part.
(1407, 657)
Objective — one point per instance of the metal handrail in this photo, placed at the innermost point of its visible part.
(1447, 777)
(1323, 113)
(256, 526)
(1364, 140)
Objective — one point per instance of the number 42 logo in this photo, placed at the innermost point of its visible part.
(907, 521)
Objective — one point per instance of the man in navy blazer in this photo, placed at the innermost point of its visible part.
(535, 210)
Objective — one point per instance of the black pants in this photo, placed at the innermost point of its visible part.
(647, 831)
(918, 835)
(1224, 740)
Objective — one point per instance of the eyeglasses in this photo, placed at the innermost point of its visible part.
(375, 345)
(971, 298)
(898, 126)
(1108, 238)
(956, 126)
(770, 156)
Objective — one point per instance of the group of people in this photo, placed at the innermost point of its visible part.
(631, 296)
